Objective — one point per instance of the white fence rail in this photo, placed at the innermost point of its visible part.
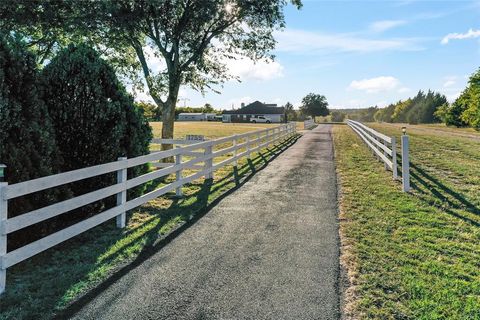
(242, 145)
(307, 124)
(385, 149)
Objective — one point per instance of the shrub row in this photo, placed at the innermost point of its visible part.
(70, 114)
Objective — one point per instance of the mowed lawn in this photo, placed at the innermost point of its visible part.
(412, 256)
(211, 129)
(43, 286)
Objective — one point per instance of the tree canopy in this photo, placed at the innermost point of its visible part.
(169, 42)
(315, 105)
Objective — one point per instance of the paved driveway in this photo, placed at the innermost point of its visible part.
(270, 250)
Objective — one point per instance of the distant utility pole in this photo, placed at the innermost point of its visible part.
(184, 101)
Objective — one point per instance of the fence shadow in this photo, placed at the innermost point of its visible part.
(434, 192)
(189, 213)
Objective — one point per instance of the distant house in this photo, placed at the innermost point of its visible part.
(196, 117)
(254, 110)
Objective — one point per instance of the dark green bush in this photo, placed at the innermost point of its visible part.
(27, 142)
(94, 118)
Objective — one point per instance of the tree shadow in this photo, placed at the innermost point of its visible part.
(188, 214)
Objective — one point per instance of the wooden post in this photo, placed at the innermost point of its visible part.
(394, 159)
(122, 196)
(178, 175)
(209, 162)
(3, 235)
(235, 162)
(405, 164)
(249, 154)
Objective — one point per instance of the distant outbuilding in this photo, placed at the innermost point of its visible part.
(196, 117)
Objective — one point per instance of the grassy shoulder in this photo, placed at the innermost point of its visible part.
(409, 256)
(41, 287)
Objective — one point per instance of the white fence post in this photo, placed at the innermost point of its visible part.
(235, 162)
(394, 159)
(178, 175)
(3, 235)
(386, 155)
(122, 196)
(209, 162)
(249, 154)
(405, 164)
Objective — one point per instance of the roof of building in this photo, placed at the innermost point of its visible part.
(191, 114)
(258, 107)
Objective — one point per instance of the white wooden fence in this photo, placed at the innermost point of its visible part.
(307, 124)
(385, 149)
(242, 145)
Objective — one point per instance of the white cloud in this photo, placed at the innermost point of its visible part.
(384, 25)
(450, 81)
(300, 41)
(404, 90)
(460, 36)
(247, 69)
(375, 85)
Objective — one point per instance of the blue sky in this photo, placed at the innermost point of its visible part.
(360, 53)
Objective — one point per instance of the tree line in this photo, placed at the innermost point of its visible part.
(153, 113)
(422, 108)
(430, 107)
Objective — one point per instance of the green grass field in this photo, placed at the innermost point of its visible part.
(46, 284)
(412, 256)
(213, 130)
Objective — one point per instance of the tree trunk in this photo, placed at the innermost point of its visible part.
(168, 116)
(168, 121)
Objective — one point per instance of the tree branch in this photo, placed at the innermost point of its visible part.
(146, 72)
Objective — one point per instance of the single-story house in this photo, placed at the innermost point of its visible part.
(196, 117)
(254, 110)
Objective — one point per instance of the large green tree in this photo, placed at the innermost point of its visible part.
(470, 98)
(314, 105)
(192, 39)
